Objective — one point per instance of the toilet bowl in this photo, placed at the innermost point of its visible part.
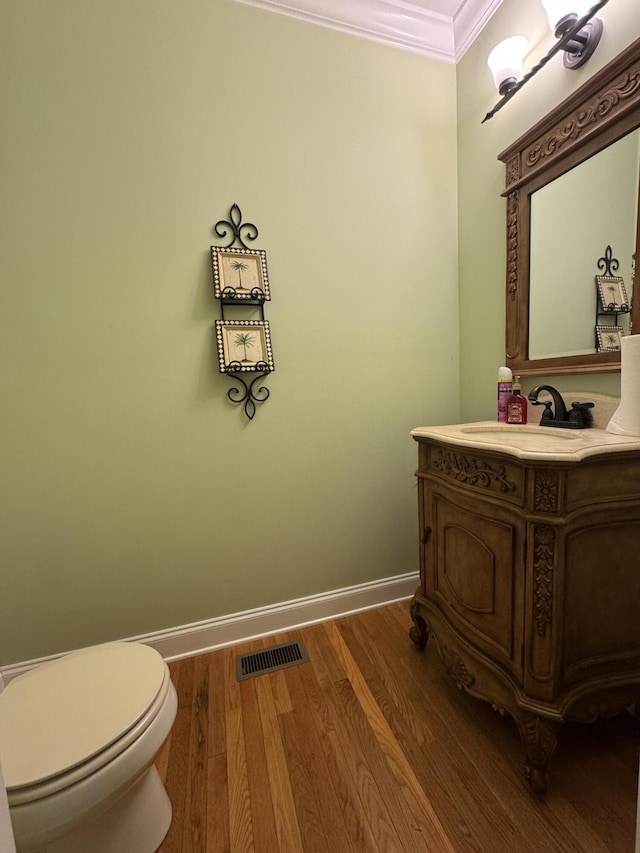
(78, 738)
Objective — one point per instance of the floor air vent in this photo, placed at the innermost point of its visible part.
(268, 660)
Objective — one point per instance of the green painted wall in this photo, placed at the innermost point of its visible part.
(481, 233)
(135, 497)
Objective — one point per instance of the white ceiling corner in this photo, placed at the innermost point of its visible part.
(469, 20)
(440, 29)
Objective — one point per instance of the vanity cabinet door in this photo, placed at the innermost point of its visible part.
(582, 606)
(601, 585)
(473, 571)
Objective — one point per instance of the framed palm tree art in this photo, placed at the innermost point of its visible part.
(612, 293)
(240, 274)
(244, 345)
(609, 338)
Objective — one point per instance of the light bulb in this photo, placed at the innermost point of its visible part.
(559, 10)
(505, 62)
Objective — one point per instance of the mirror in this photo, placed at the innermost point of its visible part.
(572, 189)
(573, 220)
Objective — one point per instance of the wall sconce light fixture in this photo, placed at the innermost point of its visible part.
(578, 33)
(505, 62)
(563, 16)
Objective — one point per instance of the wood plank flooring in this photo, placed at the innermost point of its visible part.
(369, 748)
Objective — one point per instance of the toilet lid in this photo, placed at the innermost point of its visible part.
(70, 709)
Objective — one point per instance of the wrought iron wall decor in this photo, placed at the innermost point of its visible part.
(241, 279)
(611, 303)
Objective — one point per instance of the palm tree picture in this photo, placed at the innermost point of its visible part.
(240, 274)
(244, 340)
(609, 337)
(244, 345)
(239, 267)
(613, 294)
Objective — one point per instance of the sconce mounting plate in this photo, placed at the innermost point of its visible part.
(592, 31)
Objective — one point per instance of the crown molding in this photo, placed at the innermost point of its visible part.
(470, 20)
(418, 27)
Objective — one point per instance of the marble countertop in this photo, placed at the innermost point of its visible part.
(531, 441)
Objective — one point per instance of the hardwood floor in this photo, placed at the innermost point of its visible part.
(368, 746)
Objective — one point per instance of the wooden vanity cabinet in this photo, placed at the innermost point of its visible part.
(530, 584)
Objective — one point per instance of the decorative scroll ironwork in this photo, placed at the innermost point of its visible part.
(245, 391)
(256, 294)
(608, 263)
(612, 301)
(249, 397)
(237, 227)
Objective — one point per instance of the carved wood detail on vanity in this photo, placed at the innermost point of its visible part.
(456, 669)
(520, 551)
(544, 541)
(539, 736)
(546, 491)
(467, 469)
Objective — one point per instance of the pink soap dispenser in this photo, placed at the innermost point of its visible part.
(505, 383)
(517, 405)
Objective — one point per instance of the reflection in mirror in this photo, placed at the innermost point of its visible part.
(572, 191)
(573, 220)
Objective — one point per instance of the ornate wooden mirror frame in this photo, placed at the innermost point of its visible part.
(603, 110)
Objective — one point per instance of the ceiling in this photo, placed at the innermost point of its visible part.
(440, 29)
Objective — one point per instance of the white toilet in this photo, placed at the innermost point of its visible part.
(78, 738)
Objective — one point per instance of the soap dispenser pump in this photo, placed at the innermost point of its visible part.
(517, 405)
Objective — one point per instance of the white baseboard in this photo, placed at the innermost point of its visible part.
(200, 637)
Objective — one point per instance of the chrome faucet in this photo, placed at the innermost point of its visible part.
(578, 418)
